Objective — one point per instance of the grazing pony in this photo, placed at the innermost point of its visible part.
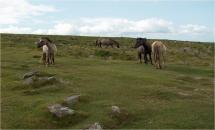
(49, 50)
(143, 48)
(107, 42)
(158, 50)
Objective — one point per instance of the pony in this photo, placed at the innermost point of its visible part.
(107, 42)
(49, 50)
(158, 50)
(143, 48)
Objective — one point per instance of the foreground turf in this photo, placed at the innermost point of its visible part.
(179, 96)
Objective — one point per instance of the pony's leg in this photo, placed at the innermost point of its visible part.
(140, 57)
(163, 59)
(47, 59)
(160, 63)
(44, 58)
(41, 59)
(150, 57)
(145, 58)
(159, 59)
(53, 59)
(154, 58)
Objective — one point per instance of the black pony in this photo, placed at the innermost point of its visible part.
(147, 48)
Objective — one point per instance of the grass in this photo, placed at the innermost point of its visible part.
(179, 96)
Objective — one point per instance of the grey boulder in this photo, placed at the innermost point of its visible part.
(60, 111)
(72, 99)
(30, 74)
(115, 110)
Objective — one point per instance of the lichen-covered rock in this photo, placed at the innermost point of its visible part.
(39, 81)
(72, 99)
(95, 126)
(60, 111)
(115, 110)
(30, 74)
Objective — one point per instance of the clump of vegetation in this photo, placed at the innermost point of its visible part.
(103, 53)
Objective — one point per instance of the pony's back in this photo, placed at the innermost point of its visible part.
(54, 47)
(158, 44)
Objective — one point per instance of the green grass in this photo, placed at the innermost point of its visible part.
(150, 98)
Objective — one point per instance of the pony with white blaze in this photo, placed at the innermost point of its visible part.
(49, 50)
(158, 50)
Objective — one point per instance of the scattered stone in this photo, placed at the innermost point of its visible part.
(184, 94)
(44, 80)
(95, 126)
(35, 80)
(198, 78)
(115, 110)
(60, 80)
(29, 81)
(60, 111)
(91, 56)
(30, 74)
(196, 89)
(72, 99)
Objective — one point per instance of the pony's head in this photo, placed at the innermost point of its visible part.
(139, 42)
(42, 42)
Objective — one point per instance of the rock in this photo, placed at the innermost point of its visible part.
(72, 99)
(30, 74)
(35, 80)
(95, 126)
(60, 111)
(198, 78)
(196, 89)
(91, 56)
(184, 94)
(44, 80)
(115, 110)
(29, 81)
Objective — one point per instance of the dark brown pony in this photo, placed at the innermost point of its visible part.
(106, 42)
(144, 48)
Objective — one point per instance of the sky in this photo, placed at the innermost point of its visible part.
(191, 20)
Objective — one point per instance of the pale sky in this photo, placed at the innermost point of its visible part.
(191, 20)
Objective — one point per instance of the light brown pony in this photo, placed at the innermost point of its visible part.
(158, 50)
(49, 50)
